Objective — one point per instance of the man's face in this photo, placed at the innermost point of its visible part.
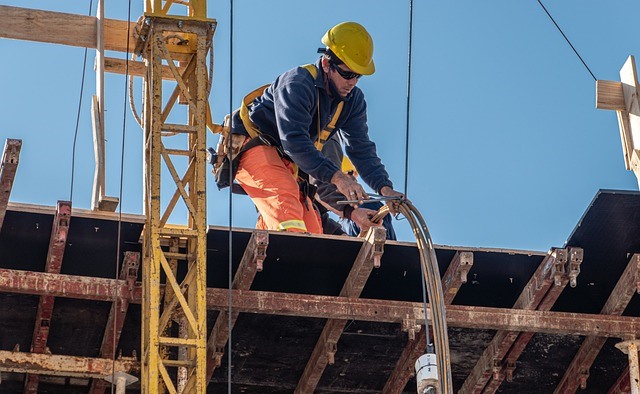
(343, 78)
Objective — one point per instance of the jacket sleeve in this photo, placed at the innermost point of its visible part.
(294, 103)
(327, 191)
(360, 149)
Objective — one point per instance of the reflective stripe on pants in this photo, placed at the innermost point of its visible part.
(269, 181)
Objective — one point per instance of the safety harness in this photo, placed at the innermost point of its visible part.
(323, 135)
(221, 162)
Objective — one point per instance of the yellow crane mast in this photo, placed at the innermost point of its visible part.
(174, 358)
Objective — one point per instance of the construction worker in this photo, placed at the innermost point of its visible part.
(352, 220)
(288, 117)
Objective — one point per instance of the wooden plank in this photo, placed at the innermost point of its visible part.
(8, 168)
(63, 28)
(254, 256)
(609, 95)
(454, 277)
(136, 68)
(578, 372)
(326, 346)
(630, 116)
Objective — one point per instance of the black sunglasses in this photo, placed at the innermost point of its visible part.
(347, 75)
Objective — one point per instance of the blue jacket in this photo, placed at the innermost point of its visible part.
(288, 112)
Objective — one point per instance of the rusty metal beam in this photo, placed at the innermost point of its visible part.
(562, 276)
(117, 314)
(622, 385)
(550, 271)
(68, 286)
(254, 255)
(454, 277)
(56, 365)
(578, 372)
(326, 347)
(302, 305)
(57, 243)
(8, 167)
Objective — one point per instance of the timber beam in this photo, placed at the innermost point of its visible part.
(57, 243)
(326, 347)
(65, 29)
(117, 315)
(254, 255)
(8, 167)
(454, 277)
(56, 365)
(578, 372)
(622, 97)
(315, 306)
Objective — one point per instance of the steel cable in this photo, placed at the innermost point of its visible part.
(432, 279)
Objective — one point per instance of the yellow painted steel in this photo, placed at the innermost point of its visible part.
(175, 364)
(197, 9)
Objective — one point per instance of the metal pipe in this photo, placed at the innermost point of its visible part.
(634, 374)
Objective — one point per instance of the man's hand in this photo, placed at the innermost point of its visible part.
(362, 217)
(348, 186)
(393, 204)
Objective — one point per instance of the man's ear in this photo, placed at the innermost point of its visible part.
(325, 64)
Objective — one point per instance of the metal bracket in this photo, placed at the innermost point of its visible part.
(379, 238)
(509, 369)
(332, 349)
(262, 242)
(411, 327)
(466, 262)
(497, 368)
(576, 256)
(559, 270)
(584, 375)
(217, 356)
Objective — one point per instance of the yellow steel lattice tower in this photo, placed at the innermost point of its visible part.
(174, 333)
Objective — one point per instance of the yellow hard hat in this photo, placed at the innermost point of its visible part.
(352, 44)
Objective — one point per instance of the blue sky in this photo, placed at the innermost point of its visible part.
(506, 147)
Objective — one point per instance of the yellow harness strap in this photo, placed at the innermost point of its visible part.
(253, 130)
(324, 135)
(244, 111)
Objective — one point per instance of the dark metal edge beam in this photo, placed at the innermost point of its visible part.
(254, 255)
(578, 372)
(57, 243)
(326, 347)
(8, 167)
(117, 315)
(454, 277)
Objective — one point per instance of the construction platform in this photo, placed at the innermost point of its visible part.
(516, 323)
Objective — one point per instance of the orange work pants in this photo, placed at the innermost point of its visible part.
(269, 180)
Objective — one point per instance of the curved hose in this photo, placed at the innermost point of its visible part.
(431, 272)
